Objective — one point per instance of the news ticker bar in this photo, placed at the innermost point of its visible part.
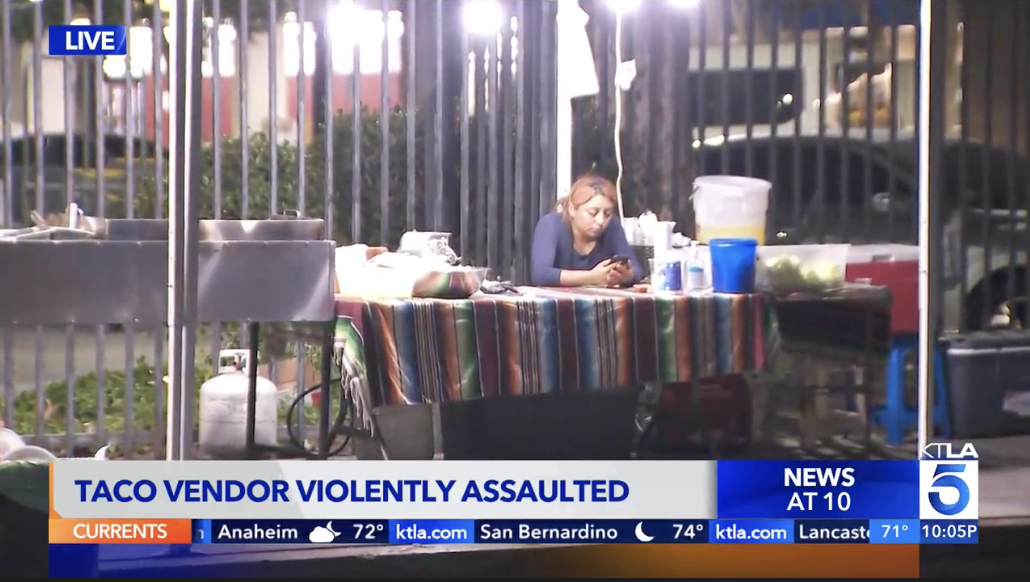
(485, 531)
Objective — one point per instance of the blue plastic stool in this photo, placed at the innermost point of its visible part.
(897, 417)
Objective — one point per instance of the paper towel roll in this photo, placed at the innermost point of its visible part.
(662, 241)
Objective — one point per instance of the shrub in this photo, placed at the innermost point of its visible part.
(286, 192)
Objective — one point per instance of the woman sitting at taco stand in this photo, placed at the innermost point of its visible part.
(579, 244)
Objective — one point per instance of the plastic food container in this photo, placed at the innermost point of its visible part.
(730, 207)
(791, 268)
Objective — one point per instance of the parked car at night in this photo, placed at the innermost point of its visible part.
(844, 189)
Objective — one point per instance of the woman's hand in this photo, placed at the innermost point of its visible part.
(603, 273)
(620, 274)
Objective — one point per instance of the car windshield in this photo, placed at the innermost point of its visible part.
(985, 175)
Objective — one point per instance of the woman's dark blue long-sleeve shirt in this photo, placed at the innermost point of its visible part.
(553, 251)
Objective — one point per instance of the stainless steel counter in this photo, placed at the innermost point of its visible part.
(265, 270)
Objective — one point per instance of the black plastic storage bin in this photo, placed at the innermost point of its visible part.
(24, 525)
(989, 383)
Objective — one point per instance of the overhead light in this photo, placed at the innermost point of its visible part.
(624, 6)
(483, 17)
(115, 67)
(345, 20)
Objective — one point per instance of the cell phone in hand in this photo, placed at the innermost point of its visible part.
(620, 259)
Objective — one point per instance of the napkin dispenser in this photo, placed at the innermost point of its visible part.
(428, 245)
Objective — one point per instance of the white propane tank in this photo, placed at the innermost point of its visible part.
(223, 408)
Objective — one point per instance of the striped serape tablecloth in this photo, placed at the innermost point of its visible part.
(545, 341)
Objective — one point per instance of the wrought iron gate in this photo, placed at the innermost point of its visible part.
(388, 115)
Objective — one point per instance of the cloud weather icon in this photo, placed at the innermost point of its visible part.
(323, 535)
(641, 535)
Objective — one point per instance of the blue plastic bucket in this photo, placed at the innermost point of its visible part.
(733, 264)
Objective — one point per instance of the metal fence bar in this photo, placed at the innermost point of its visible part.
(506, 150)
(214, 33)
(964, 151)
(479, 63)
(845, 162)
(465, 235)
(384, 127)
(69, 181)
(519, 180)
(867, 151)
(547, 50)
(7, 78)
(1012, 279)
(329, 197)
(301, 193)
(160, 184)
(797, 209)
(529, 67)
(1025, 202)
(895, 105)
(438, 127)
(68, 90)
(356, 145)
(985, 185)
(493, 128)
(819, 204)
(8, 378)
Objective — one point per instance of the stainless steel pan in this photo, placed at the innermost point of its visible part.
(296, 229)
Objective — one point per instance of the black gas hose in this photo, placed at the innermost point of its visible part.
(344, 417)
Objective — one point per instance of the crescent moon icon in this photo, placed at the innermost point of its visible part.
(640, 533)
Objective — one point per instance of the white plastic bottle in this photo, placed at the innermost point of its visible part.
(693, 271)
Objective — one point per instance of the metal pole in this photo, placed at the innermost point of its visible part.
(183, 225)
(931, 126)
(176, 202)
(191, 223)
(563, 125)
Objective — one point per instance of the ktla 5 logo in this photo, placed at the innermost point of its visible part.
(949, 482)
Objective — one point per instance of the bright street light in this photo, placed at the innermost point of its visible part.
(627, 6)
(624, 6)
(483, 17)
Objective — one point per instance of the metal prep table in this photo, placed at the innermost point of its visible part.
(115, 271)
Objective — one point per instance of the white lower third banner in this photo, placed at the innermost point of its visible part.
(416, 490)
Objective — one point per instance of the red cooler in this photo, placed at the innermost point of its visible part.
(897, 268)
